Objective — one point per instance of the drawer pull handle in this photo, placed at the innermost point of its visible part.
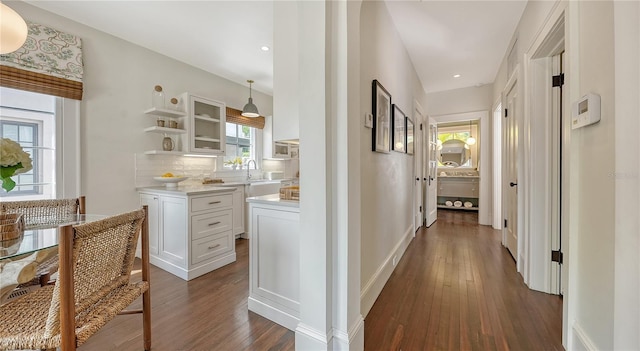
(214, 202)
(214, 223)
(213, 247)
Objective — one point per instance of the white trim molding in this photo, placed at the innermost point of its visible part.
(585, 343)
(374, 286)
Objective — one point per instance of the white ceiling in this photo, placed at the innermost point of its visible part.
(443, 38)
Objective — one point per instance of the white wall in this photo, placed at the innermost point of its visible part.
(387, 179)
(602, 255)
(627, 147)
(592, 149)
(460, 100)
(119, 78)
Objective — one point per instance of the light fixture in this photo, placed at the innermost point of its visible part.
(456, 76)
(13, 28)
(470, 140)
(250, 110)
(265, 48)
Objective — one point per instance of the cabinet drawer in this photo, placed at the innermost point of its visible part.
(458, 188)
(211, 202)
(211, 246)
(211, 223)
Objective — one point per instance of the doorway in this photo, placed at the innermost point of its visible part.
(480, 126)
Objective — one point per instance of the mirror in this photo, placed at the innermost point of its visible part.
(454, 153)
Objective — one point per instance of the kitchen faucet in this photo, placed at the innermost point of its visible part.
(254, 167)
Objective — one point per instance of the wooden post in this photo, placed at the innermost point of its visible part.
(67, 300)
(146, 296)
(81, 205)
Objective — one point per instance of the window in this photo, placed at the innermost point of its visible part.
(241, 141)
(25, 134)
(30, 120)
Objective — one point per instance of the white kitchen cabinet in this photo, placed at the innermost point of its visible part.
(238, 210)
(285, 71)
(205, 125)
(274, 260)
(274, 149)
(167, 116)
(153, 204)
(190, 234)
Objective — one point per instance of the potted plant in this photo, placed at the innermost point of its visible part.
(234, 163)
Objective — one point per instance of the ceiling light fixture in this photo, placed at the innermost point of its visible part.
(13, 28)
(470, 140)
(456, 76)
(250, 110)
(265, 48)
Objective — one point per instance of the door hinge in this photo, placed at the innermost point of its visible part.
(506, 113)
(505, 223)
(558, 81)
(556, 256)
(420, 126)
(420, 208)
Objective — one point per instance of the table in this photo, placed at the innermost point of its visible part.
(19, 262)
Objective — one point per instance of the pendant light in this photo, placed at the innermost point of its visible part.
(470, 140)
(13, 28)
(250, 110)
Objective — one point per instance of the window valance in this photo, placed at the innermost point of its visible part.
(49, 62)
(235, 116)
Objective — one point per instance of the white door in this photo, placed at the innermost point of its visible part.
(418, 171)
(511, 174)
(432, 174)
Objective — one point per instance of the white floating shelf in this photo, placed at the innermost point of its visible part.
(207, 119)
(164, 112)
(164, 130)
(207, 139)
(162, 152)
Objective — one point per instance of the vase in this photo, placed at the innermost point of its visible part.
(167, 144)
(11, 233)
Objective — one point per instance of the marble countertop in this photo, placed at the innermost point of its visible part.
(189, 189)
(273, 199)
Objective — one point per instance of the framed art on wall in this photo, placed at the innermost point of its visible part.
(399, 131)
(409, 136)
(381, 118)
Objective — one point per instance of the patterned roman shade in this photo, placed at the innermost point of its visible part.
(235, 116)
(49, 62)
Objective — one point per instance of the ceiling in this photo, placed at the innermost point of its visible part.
(442, 38)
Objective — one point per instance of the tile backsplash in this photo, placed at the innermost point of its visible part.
(196, 168)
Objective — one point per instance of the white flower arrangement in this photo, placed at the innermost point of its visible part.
(13, 160)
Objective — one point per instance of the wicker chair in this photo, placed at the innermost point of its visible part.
(39, 213)
(94, 286)
(45, 212)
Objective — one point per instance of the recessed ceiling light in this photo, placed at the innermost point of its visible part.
(265, 48)
(456, 76)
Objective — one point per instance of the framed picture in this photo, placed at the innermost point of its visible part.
(399, 134)
(381, 118)
(409, 136)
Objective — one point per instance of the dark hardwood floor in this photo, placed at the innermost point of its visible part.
(456, 288)
(207, 313)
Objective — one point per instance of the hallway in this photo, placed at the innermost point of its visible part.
(456, 288)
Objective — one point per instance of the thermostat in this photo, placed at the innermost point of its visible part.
(586, 111)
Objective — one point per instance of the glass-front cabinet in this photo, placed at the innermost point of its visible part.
(206, 124)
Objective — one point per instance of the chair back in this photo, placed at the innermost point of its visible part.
(103, 256)
(45, 212)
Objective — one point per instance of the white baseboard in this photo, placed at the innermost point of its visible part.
(581, 341)
(373, 287)
(274, 314)
(308, 338)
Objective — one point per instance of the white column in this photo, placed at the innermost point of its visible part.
(329, 49)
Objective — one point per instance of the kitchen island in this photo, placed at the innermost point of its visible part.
(190, 228)
(274, 260)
